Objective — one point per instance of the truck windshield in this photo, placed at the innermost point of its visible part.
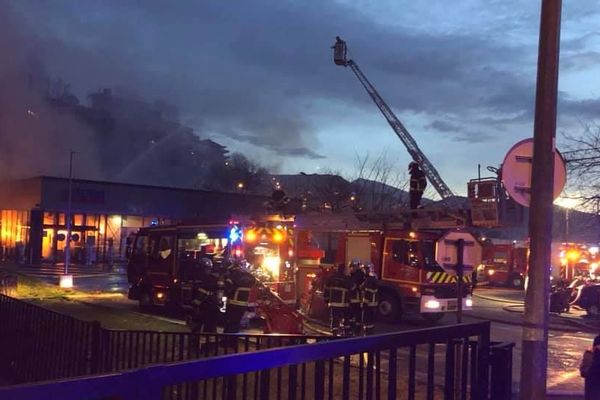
(428, 251)
(201, 244)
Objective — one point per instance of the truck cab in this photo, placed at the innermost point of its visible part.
(419, 276)
(164, 260)
(416, 269)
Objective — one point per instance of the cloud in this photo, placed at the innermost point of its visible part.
(251, 71)
(460, 134)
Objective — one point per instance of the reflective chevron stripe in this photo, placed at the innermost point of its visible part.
(442, 277)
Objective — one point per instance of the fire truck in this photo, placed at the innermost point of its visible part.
(504, 262)
(164, 261)
(416, 269)
(164, 258)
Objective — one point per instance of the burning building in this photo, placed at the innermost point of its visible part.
(103, 214)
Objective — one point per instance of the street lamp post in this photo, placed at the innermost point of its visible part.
(66, 280)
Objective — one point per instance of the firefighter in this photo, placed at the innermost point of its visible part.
(418, 183)
(368, 290)
(357, 276)
(238, 284)
(336, 294)
(205, 305)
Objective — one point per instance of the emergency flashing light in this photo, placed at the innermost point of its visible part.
(277, 236)
(573, 255)
(250, 236)
(412, 235)
(235, 234)
(238, 252)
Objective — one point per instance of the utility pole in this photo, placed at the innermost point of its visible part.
(66, 279)
(535, 330)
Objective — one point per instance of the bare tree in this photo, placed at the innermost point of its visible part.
(583, 166)
(380, 185)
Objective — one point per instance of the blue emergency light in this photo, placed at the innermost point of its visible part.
(235, 234)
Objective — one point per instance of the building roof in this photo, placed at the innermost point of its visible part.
(88, 196)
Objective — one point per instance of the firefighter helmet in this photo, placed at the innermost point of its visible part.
(370, 269)
(206, 263)
(413, 165)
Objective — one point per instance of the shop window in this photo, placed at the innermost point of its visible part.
(48, 218)
(90, 220)
(77, 220)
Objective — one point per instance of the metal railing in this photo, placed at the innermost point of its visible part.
(8, 284)
(450, 362)
(38, 344)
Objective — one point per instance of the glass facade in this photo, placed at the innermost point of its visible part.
(14, 234)
(94, 237)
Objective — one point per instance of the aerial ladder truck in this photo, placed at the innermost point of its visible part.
(415, 256)
(340, 57)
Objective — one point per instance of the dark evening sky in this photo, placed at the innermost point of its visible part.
(258, 77)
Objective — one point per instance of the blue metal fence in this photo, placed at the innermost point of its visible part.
(450, 362)
(38, 344)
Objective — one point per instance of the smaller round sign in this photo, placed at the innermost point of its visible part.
(516, 172)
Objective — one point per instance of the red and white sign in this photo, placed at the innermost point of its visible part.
(447, 256)
(516, 172)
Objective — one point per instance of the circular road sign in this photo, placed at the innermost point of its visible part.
(516, 172)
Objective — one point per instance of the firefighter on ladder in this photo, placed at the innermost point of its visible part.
(368, 291)
(238, 284)
(357, 277)
(336, 293)
(205, 305)
(418, 183)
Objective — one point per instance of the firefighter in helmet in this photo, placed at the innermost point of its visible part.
(336, 294)
(357, 276)
(368, 290)
(238, 284)
(205, 305)
(418, 183)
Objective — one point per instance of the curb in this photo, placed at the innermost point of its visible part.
(497, 299)
(567, 320)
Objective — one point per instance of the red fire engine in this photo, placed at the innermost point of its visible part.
(504, 262)
(416, 269)
(164, 258)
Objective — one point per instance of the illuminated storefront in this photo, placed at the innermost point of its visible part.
(104, 215)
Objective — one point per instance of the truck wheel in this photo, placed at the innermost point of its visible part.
(389, 309)
(145, 301)
(516, 281)
(433, 317)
